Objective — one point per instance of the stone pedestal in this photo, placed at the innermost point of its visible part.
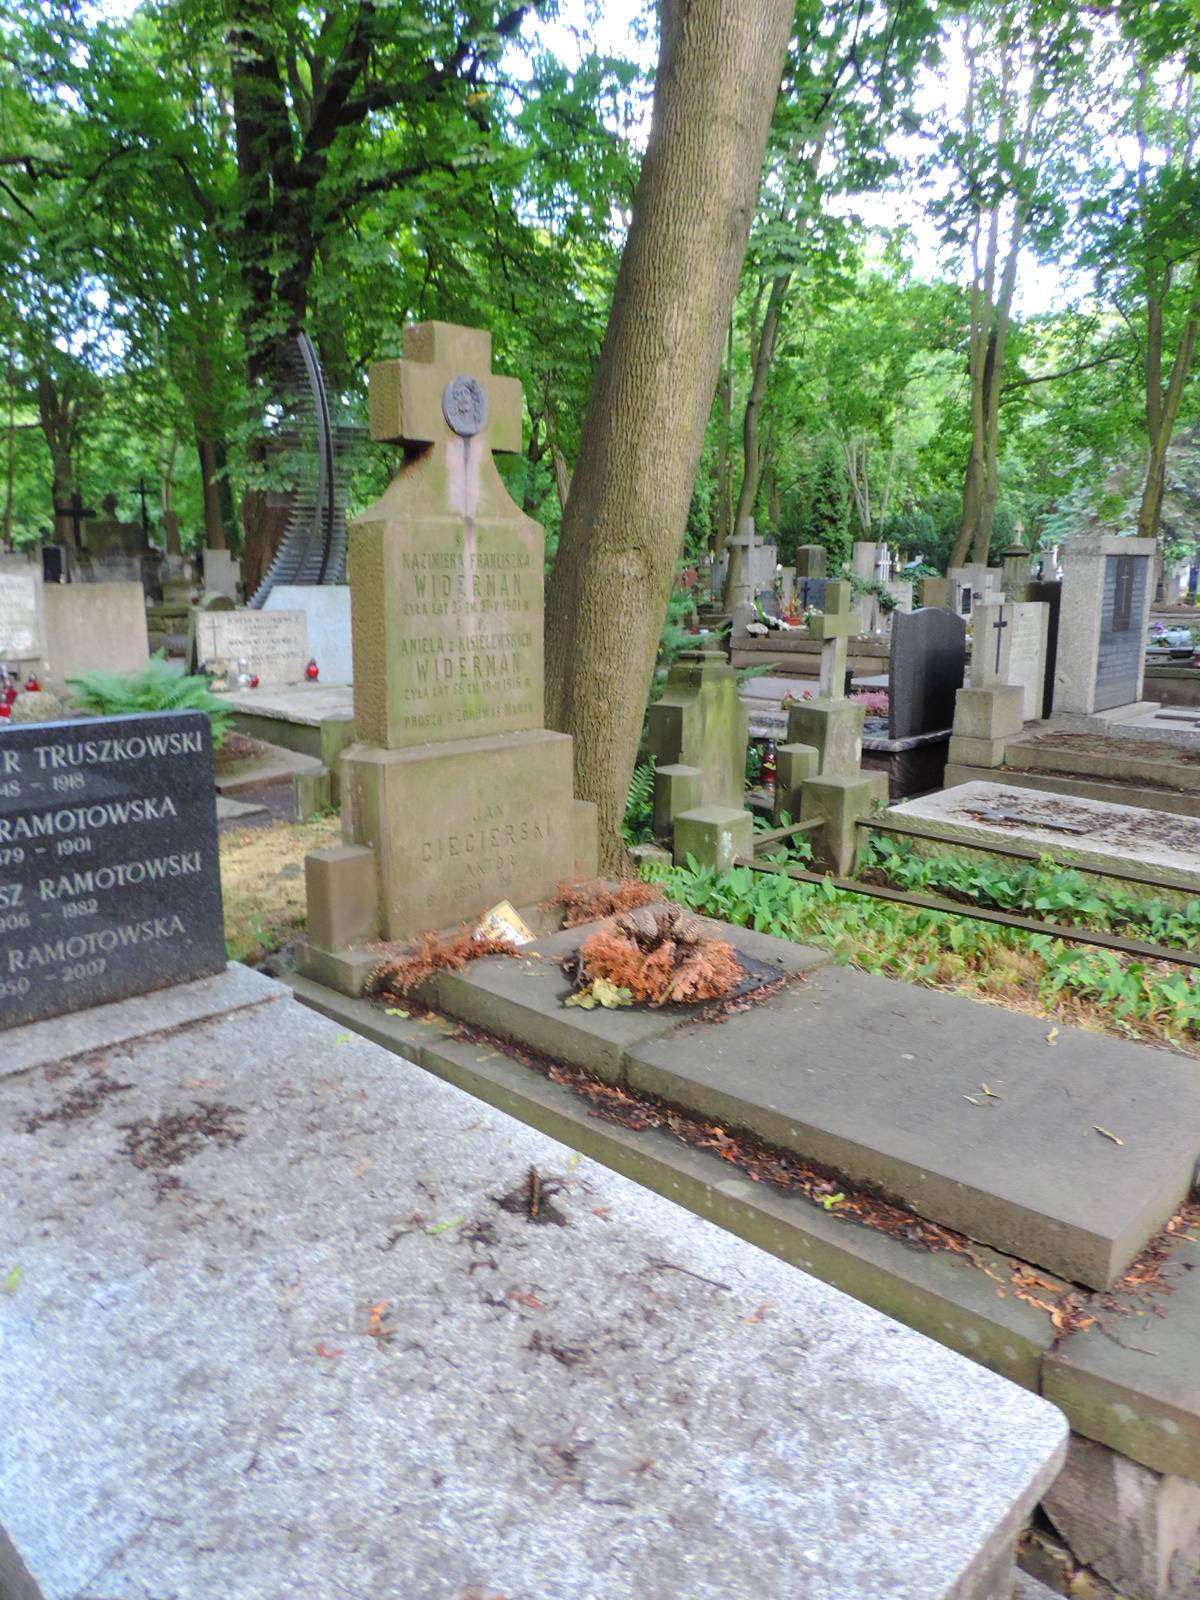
(699, 723)
(840, 799)
(714, 836)
(833, 728)
(794, 765)
(984, 721)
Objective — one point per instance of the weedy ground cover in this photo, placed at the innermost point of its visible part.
(1030, 972)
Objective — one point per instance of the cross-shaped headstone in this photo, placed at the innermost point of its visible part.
(141, 490)
(1000, 624)
(76, 511)
(444, 390)
(833, 627)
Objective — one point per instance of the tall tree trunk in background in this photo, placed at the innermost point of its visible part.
(1162, 404)
(723, 525)
(718, 78)
(764, 354)
(10, 452)
(214, 522)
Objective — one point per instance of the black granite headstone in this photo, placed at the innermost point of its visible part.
(769, 601)
(109, 879)
(926, 669)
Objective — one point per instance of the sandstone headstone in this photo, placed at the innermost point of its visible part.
(96, 627)
(109, 879)
(222, 571)
(273, 643)
(453, 784)
(699, 723)
(812, 561)
(1010, 647)
(326, 609)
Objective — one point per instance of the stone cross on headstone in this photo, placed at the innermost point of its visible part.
(833, 627)
(445, 392)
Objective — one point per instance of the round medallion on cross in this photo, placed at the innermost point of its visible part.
(464, 406)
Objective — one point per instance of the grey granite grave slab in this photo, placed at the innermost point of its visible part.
(521, 998)
(315, 1355)
(882, 1083)
(1094, 832)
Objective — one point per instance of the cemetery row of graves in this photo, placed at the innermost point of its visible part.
(898, 989)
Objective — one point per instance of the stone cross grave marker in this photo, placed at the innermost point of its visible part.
(833, 627)
(1010, 648)
(454, 796)
(109, 880)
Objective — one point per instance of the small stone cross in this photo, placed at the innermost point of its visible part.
(75, 511)
(833, 627)
(443, 390)
(1000, 624)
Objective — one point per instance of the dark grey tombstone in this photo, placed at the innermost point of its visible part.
(1049, 591)
(769, 602)
(810, 593)
(926, 669)
(1121, 647)
(109, 879)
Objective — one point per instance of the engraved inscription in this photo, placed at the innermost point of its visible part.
(109, 877)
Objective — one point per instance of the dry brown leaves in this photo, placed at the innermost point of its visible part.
(600, 897)
(398, 976)
(660, 953)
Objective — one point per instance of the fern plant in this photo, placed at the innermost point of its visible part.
(156, 687)
(637, 826)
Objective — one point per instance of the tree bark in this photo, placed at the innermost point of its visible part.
(214, 522)
(718, 78)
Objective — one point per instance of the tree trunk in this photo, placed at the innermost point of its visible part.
(10, 454)
(723, 524)
(718, 78)
(214, 522)
(1162, 407)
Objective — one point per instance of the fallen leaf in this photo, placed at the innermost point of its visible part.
(361, 1167)
(524, 1299)
(12, 1280)
(831, 1200)
(329, 1355)
(973, 1100)
(574, 1161)
(1052, 1036)
(445, 1227)
(375, 1327)
(394, 1011)
(1107, 1134)
(991, 1093)
(600, 1211)
(757, 1314)
(198, 1083)
(342, 1038)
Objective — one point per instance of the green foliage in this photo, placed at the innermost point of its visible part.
(873, 586)
(157, 687)
(940, 950)
(637, 826)
(1042, 889)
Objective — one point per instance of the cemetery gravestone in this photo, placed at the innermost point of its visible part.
(326, 609)
(274, 643)
(927, 664)
(221, 572)
(1010, 647)
(454, 796)
(109, 878)
(20, 614)
(94, 628)
(1105, 609)
(812, 561)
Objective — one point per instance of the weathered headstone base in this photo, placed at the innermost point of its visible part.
(839, 801)
(317, 1343)
(834, 730)
(458, 826)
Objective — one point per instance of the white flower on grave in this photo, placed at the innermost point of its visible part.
(759, 628)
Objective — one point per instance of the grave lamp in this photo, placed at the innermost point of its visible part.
(32, 683)
(5, 710)
(312, 672)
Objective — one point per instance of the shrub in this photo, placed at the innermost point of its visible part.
(157, 687)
